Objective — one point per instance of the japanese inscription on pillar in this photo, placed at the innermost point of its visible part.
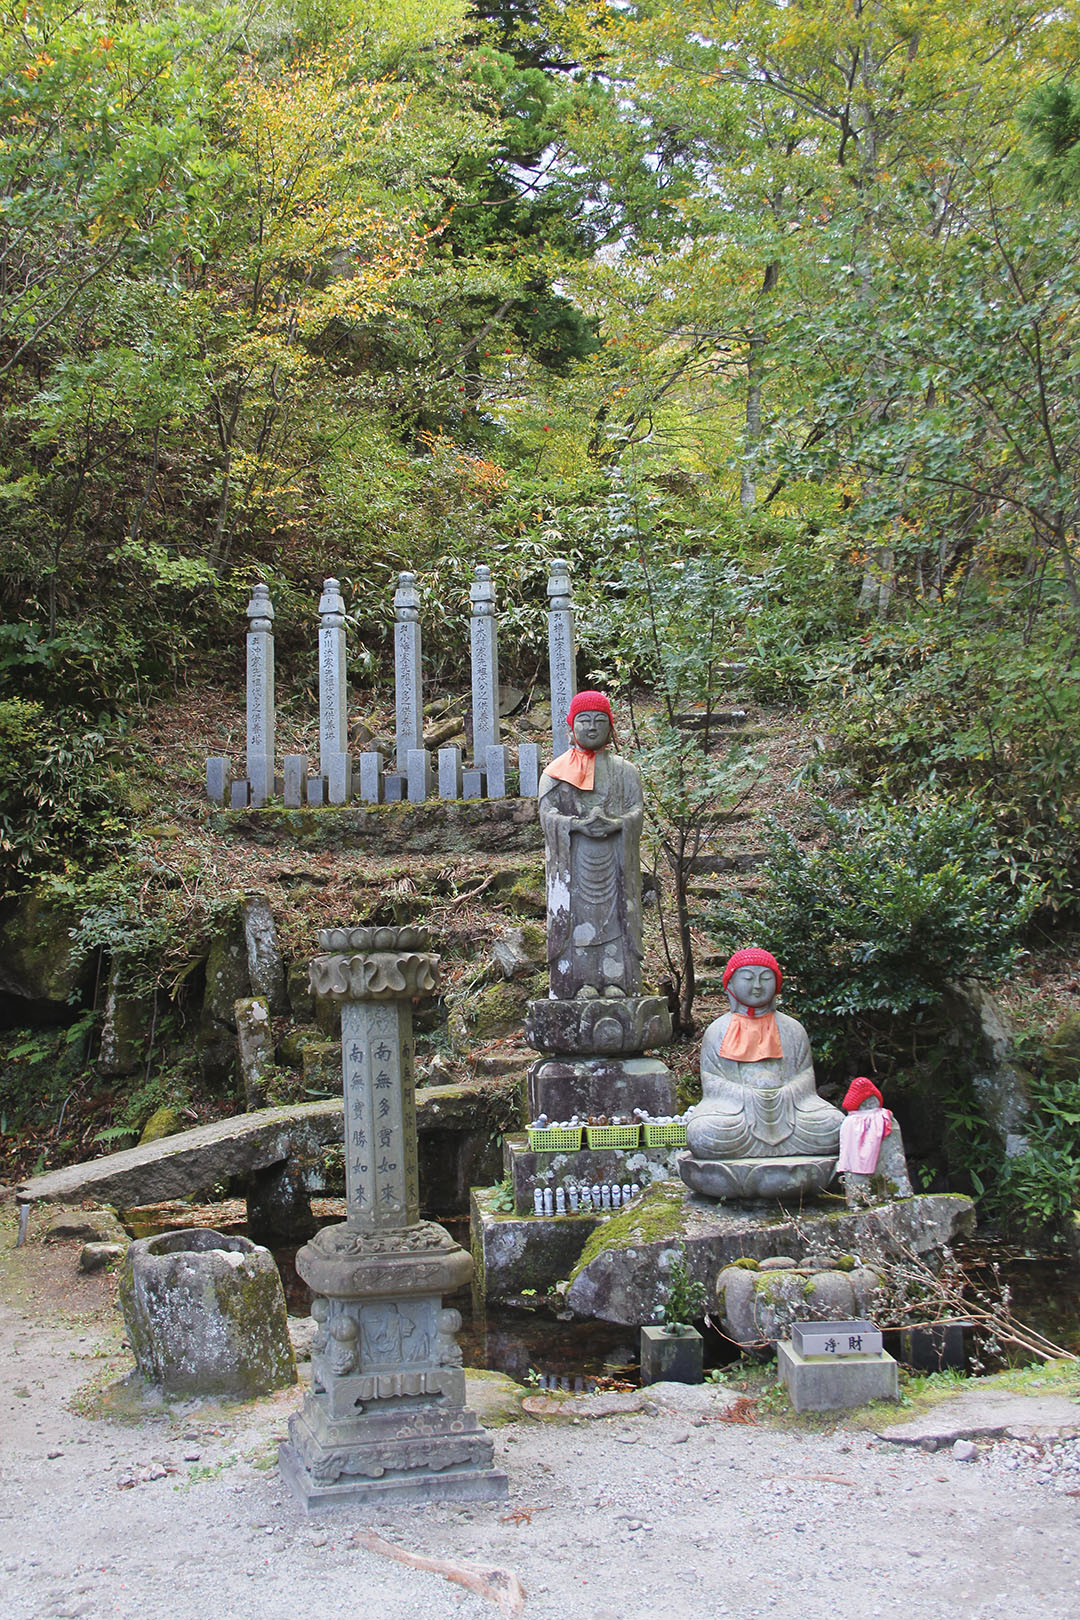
(561, 654)
(485, 664)
(333, 691)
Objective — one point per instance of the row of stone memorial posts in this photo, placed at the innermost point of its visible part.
(416, 774)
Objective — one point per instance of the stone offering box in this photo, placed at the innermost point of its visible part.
(824, 1370)
(835, 1338)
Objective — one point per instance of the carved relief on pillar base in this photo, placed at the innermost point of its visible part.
(349, 1264)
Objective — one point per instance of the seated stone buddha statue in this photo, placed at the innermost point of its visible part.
(760, 1130)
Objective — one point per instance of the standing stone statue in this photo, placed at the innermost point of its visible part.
(760, 1130)
(591, 813)
(595, 1026)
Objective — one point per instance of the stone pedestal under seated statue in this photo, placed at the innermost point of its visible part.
(760, 1130)
(563, 1086)
(385, 1418)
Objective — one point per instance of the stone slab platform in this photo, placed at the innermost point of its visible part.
(514, 1252)
(987, 1414)
(528, 1168)
(622, 1275)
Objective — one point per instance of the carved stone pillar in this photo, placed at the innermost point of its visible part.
(385, 1418)
(260, 695)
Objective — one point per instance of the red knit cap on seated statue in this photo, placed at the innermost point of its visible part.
(589, 703)
(859, 1090)
(753, 956)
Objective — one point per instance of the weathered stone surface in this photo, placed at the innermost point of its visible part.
(227, 982)
(833, 1385)
(667, 1357)
(620, 1026)
(983, 1037)
(255, 1045)
(495, 1011)
(520, 951)
(563, 1087)
(753, 1179)
(88, 1225)
(205, 1314)
(511, 1254)
(298, 990)
(164, 1121)
(622, 1273)
(440, 826)
(1061, 1055)
(97, 1256)
(124, 1030)
(758, 1307)
(39, 964)
(987, 1413)
(266, 971)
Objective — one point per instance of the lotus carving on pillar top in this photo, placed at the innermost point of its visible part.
(371, 964)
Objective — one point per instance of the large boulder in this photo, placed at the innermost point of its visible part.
(757, 1306)
(1061, 1054)
(623, 1272)
(983, 1039)
(40, 970)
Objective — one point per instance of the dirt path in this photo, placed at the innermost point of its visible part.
(178, 1513)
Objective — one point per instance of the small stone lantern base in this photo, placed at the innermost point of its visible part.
(672, 1358)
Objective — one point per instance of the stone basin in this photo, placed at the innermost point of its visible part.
(756, 1178)
(205, 1314)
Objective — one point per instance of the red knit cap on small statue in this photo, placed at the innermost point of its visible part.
(753, 956)
(857, 1093)
(589, 702)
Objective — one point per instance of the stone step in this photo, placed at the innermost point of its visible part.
(436, 827)
(744, 860)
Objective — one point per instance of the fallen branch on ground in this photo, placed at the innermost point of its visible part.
(499, 1586)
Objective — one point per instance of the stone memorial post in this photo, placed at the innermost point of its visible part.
(385, 1418)
(333, 686)
(260, 695)
(485, 666)
(562, 657)
(407, 676)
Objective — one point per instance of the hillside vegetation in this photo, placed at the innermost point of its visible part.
(764, 315)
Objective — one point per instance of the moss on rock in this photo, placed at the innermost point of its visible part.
(659, 1214)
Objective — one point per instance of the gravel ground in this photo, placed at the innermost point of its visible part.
(179, 1512)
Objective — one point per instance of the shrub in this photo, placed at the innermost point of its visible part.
(871, 923)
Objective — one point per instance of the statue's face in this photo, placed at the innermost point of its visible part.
(753, 986)
(592, 729)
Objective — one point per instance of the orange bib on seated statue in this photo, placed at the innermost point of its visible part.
(751, 1040)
